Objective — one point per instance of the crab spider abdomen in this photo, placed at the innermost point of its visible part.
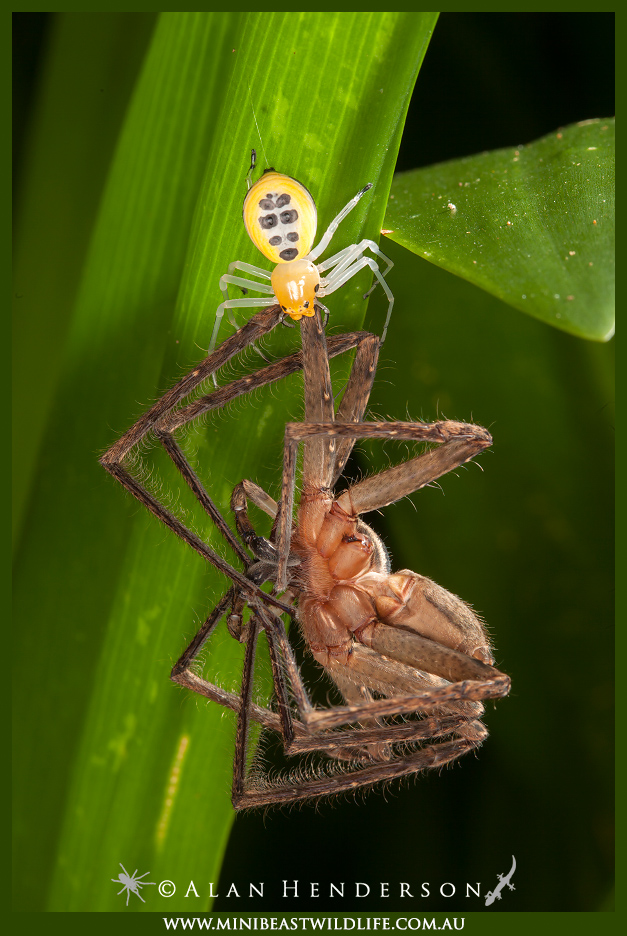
(280, 217)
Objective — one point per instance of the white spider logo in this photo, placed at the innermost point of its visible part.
(131, 883)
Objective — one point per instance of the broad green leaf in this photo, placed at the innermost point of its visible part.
(105, 597)
(71, 146)
(533, 225)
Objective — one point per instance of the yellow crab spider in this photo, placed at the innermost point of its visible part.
(280, 218)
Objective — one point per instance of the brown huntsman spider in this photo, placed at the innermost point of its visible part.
(411, 661)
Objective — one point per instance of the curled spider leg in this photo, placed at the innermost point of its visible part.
(355, 746)
(459, 443)
(258, 496)
(260, 547)
(465, 691)
(420, 667)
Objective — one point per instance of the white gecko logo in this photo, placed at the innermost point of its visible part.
(491, 896)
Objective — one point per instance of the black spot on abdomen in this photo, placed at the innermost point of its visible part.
(290, 253)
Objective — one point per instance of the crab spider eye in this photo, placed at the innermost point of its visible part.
(280, 217)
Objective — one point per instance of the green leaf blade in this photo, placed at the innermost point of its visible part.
(141, 769)
(533, 225)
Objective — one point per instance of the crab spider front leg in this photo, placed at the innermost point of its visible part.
(335, 282)
(345, 257)
(332, 228)
(347, 263)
